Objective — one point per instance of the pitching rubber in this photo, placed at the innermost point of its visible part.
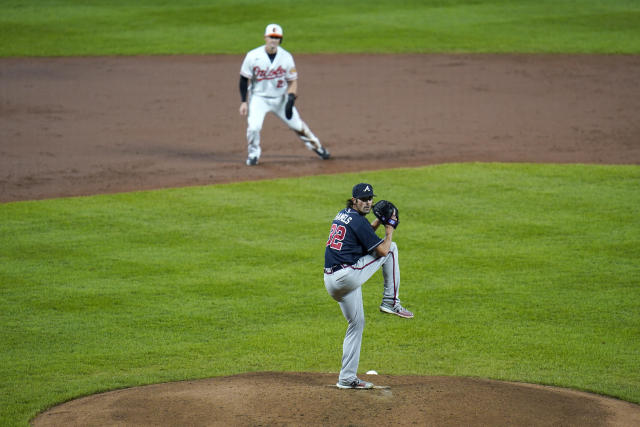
(375, 387)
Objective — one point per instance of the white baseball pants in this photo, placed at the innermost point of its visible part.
(259, 106)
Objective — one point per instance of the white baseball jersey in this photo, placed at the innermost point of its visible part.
(269, 79)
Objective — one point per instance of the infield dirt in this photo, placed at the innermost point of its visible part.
(83, 126)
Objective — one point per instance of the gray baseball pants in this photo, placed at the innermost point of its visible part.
(345, 286)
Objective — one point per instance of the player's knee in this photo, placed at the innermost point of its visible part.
(253, 134)
(357, 322)
(299, 131)
(297, 125)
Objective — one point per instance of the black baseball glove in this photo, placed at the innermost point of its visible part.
(288, 109)
(384, 211)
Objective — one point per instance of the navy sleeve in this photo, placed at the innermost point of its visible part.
(366, 234)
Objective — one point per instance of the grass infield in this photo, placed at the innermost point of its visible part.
(117, 27)
(519, 272)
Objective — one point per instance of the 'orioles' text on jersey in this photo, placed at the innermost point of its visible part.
(350, 238)
(269, 79)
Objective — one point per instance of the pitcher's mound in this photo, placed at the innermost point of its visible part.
(276, 398)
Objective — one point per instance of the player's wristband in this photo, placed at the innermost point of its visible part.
(243, 85)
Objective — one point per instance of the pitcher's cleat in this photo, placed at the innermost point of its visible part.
(397, 309)
(356, 384)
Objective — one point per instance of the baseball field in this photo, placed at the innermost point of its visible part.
(148, 277)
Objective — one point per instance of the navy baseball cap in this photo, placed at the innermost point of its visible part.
(362, 190)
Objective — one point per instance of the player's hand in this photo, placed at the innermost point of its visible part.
(243, 109)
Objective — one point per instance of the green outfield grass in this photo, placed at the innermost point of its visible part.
(518, 272)
(116, 27)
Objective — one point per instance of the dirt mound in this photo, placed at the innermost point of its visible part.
(312, 399)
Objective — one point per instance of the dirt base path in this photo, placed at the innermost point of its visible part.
(83, 126)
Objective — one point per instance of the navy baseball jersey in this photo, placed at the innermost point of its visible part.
(351, 237)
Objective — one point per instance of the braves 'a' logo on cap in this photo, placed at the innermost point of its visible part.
(363, 190)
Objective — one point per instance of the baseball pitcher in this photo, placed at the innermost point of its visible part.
(353, 253)
(269, 75)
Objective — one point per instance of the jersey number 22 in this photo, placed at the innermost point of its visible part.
(336, 236)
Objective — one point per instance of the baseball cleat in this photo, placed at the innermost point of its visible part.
(322, 152)
(397, 309)
(356, 384)
(252, 161)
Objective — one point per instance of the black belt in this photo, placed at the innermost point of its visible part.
(335, 268)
